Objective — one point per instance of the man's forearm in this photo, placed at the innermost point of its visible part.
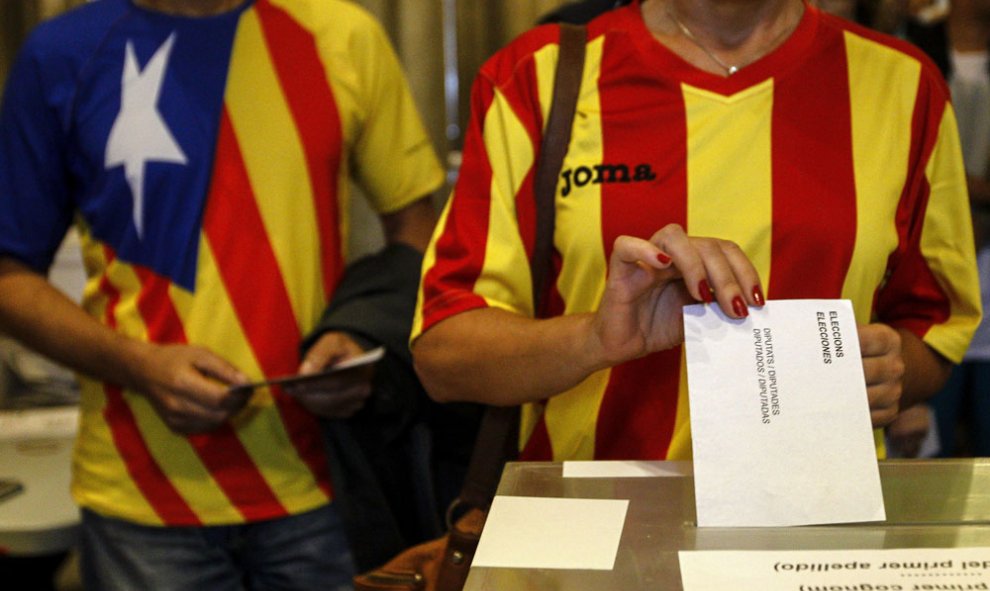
(412, 225)
(40, 316)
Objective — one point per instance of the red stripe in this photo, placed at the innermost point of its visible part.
(245, 258)
(314, 110)
(144, 470)
(636, 418)
(220, 450)
(814, 189)
(912, 297)
(538, 447)
(522, 98)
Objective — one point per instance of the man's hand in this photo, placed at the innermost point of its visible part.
(883, 367)
(908, 431)
(336, 396)
(190, 387)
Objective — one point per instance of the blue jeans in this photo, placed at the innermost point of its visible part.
(305, 552)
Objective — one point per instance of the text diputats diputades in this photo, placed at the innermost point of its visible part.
(830, 342)
(766, 374)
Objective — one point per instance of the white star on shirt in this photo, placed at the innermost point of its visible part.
(139, 134)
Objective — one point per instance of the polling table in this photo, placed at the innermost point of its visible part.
(929, 504)
(36, 449)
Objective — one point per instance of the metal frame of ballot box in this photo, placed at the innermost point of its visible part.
(929, 504)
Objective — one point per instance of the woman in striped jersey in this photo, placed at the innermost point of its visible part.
(723, 151)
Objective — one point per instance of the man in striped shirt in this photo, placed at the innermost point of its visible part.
(204, 149)
(818, 159)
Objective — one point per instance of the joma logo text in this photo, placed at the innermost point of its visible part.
(604, 173)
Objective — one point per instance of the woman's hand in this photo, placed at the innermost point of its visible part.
(883, 367)
(649, 282)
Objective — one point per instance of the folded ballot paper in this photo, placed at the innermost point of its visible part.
(779, 416)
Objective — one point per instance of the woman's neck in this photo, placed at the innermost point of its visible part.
(722, 35)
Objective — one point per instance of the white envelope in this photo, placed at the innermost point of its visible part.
(780, 420)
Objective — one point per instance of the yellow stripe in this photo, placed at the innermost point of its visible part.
(578, 236)
(730, 191)
(504, 281)
(947, 243)
(212, 323)
(571, 417)
(729, 176)
(877, 76)
(880, 443)
(93, 300)
(680, 441)
(264, 127)
(529, 418)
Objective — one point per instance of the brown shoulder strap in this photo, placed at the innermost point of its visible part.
(499, 431)
(556, 139)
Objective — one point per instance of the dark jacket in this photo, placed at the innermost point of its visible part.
(394, 463)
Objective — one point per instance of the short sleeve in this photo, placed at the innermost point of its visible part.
(392, 159)
(933, 289)
(35, 207)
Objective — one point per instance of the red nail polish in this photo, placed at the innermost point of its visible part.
(663, 258)
(739, 307)
(706, 291)
(758, 296)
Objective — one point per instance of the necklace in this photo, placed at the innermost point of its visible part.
(729, 69)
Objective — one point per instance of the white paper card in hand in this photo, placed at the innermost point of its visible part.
(779, 416)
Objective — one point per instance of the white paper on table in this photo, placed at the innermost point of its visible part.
(780, 420)
(624, 469)
(60, 422)
(862, 570)
(540, 532)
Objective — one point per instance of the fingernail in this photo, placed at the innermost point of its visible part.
(739, 307)
(307, 367)
(706, 291)
(758, 296)
(663, 258)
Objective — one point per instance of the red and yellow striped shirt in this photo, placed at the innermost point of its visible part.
(833, 162)
(214, 215)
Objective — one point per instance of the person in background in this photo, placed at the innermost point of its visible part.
(962, 408)
(722, 152)
(580, 11)
(203, 148)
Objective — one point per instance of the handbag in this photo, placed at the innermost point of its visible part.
(442, 564)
